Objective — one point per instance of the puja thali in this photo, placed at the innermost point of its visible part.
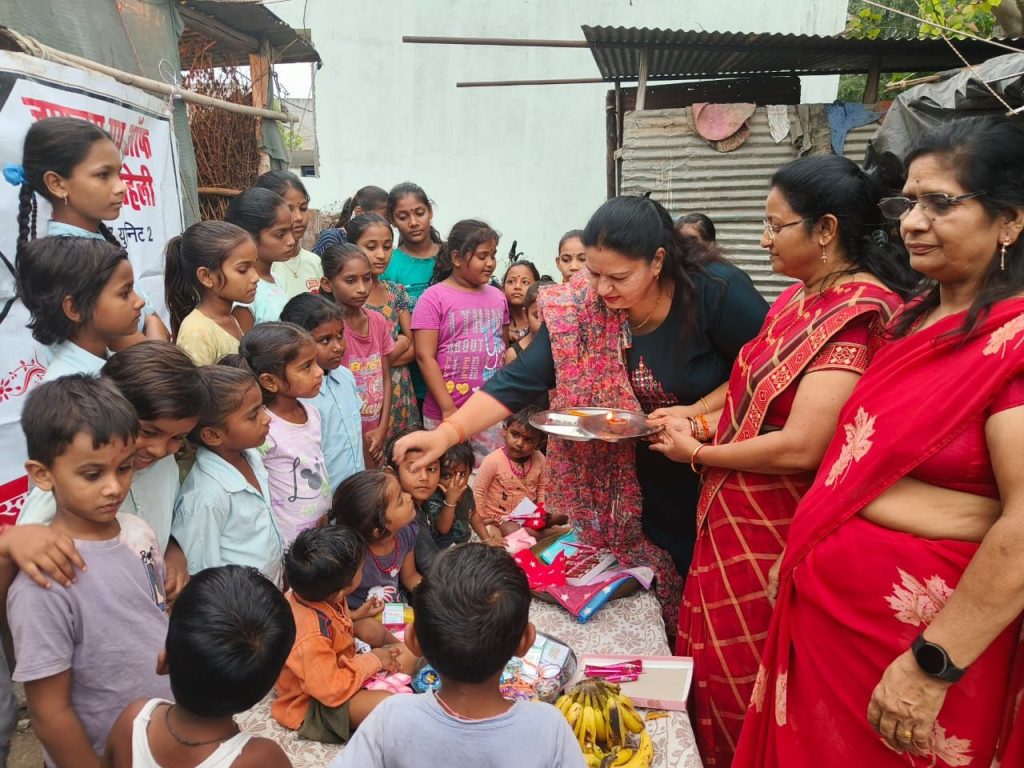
(607, 424)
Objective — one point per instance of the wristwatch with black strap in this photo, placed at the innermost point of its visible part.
(934, 660)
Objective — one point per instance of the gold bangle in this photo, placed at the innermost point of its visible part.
(707, 408)
(693, 458)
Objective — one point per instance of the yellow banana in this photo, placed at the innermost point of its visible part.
(600, 726)
(623, 756)
(632, 720)
(616, 728)
(563, 703)
(592, 760)
(573, 713)
(579, 728)
(644, 755)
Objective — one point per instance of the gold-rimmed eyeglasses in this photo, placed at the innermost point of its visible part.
(774, 229)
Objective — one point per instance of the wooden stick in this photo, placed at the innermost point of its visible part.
(221, 191)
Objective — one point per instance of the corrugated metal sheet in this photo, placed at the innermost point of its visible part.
(857, 142)
(681, 54)
(662, 153)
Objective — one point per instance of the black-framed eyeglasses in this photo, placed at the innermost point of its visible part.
(934, 203)
(774, 229)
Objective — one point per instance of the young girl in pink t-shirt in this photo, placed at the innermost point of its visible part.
(459, 327)
(348, 280)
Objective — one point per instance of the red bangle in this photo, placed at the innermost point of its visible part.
(693, 458)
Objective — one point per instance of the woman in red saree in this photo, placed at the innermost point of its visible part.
(780, 411)
(895, 639)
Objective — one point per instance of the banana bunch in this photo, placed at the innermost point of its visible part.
(610, 731)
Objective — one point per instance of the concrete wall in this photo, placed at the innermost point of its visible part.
(529, 160)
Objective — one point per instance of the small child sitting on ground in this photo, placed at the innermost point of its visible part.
(86, 650)
(320, 692)
(229, 635)
(437, 497)
(374, 504)
(472, 615)
(509, 475)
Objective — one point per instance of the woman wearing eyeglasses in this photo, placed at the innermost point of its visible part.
(896, 638)
(762, 445)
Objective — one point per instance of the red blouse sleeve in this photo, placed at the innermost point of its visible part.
(848, 350)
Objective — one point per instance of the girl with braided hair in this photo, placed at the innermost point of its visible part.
(74, 165)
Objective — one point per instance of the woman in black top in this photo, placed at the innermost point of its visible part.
(655, 319)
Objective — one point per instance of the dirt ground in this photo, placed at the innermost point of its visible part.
(25, 749)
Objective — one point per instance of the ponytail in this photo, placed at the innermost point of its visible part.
(367, 199)
(464, 238)
(206, 244)
(27, 212)
(56, 144)
(269, 348)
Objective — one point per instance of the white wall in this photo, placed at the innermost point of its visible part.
(529, 160)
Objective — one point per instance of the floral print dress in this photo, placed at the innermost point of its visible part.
(404, 412)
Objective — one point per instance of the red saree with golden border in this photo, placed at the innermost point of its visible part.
(743, 517)
(853, 595)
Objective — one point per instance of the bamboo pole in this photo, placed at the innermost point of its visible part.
(33, 47)
(259, 72)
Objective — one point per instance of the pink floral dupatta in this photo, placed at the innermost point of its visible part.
(913, 400)
(595, 483)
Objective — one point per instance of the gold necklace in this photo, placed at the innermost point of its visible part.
(650, 314)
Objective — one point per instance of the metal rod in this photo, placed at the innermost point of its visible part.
(502, 83)
(505, 41)
(641, 86)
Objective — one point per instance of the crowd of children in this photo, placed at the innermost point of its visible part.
(250, 446)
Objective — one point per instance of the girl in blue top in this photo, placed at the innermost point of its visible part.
(267, 217)
(75, 166)
(338, 401)
(222, 515)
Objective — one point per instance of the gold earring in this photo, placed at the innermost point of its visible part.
(824, 256)
(66, 199)
(1002, 255)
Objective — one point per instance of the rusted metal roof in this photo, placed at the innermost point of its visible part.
(238, 26)
(682, 54)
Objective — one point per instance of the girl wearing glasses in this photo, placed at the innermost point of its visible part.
(652, 319)
(763, 442)
(904, 566)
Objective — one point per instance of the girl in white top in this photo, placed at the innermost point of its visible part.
(302, 272)
(268, 218)
(283, 357)
(210, 267)
(227, 640)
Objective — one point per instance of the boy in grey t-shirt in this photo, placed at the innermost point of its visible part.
(472, 613)
(85, 651)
